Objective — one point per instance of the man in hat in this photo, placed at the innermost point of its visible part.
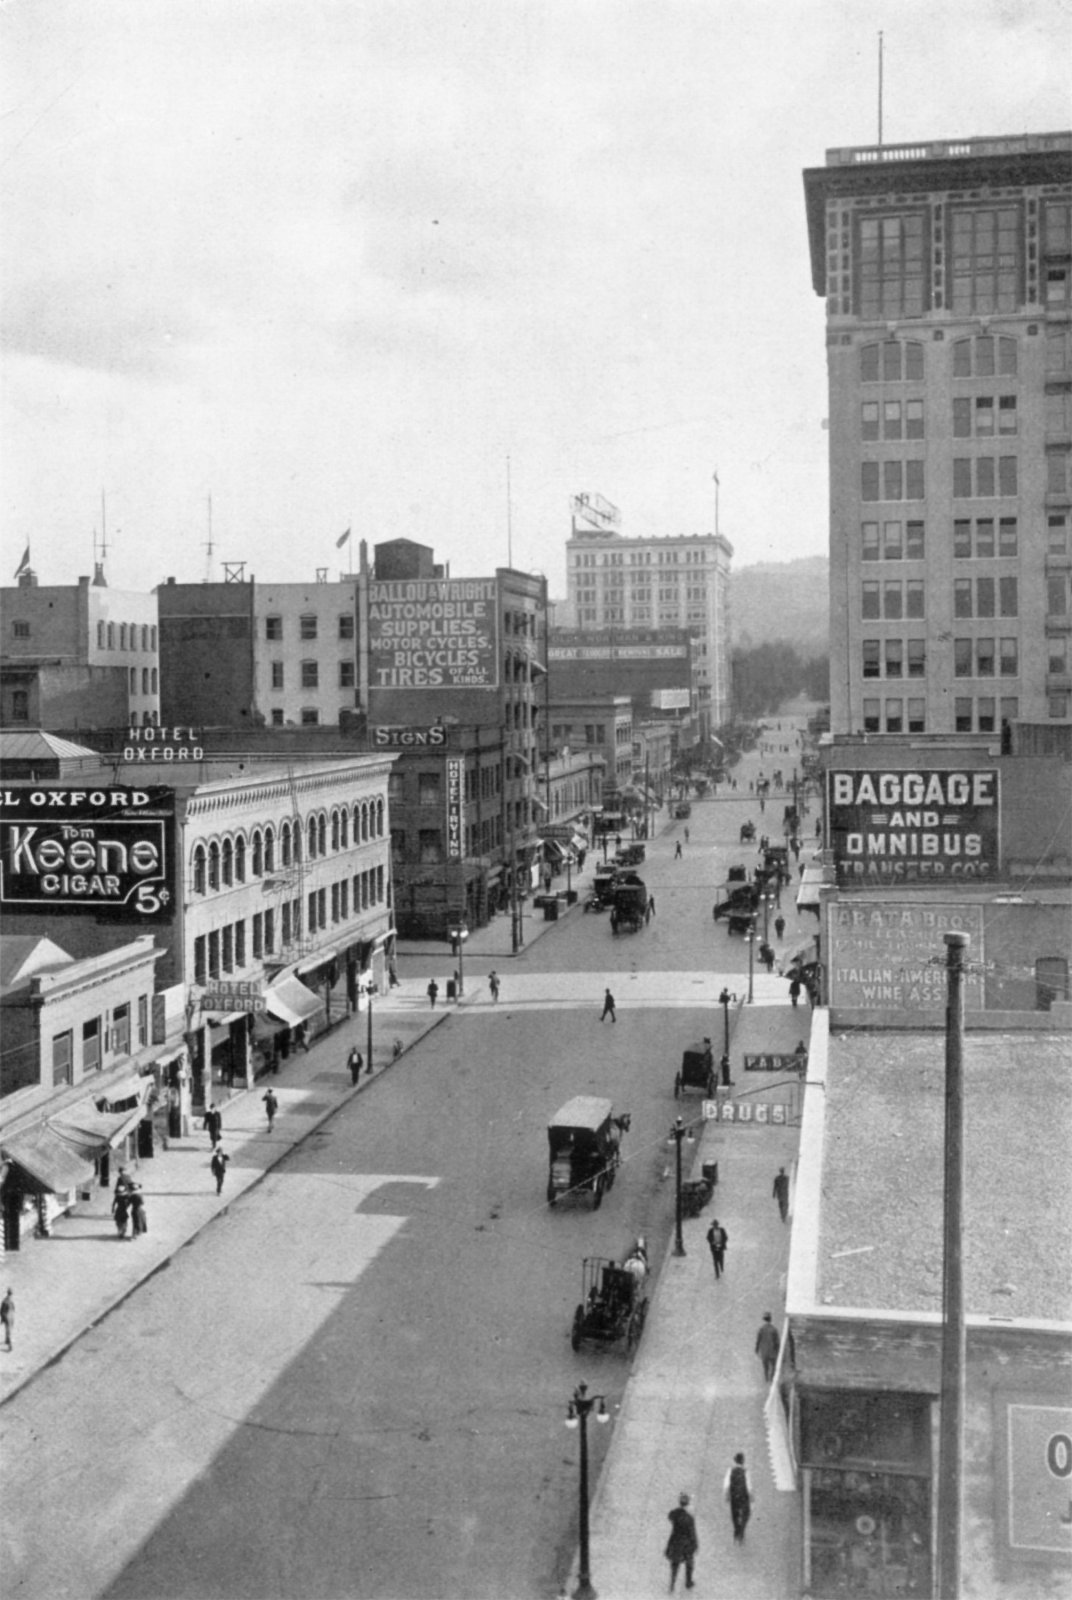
(767, 1345)
(682, 1544)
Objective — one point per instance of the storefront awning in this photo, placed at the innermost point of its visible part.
(266, 1027)
(813, 881)
(50, 1165)
(90, 1131)
(314, 963)
(552, 848)
(125, 1096)
(290, 1001)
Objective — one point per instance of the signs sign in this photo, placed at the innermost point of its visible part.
(434, 634)
(103, 852)
(386, 736)
(454, 810)
(890, 827)
(889, 955)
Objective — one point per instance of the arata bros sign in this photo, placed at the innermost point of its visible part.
(102, 852)
(434, 634)
(891, 827)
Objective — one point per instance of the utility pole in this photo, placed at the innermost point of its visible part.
(954, 1344)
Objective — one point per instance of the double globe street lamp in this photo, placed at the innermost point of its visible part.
(677, 1133)
(577, 1417)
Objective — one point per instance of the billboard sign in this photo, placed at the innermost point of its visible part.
(888, 955)
(1033, 1450)
(931, 826)
(105, 852)
(433, 633)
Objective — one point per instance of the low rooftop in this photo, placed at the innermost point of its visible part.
(880, 1224)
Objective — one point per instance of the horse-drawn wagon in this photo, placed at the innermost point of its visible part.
(584, 1139)
(613, 1304)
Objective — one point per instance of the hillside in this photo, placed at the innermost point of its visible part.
(782, 601)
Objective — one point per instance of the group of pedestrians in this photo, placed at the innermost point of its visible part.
(128, 1205)
(683, 1543)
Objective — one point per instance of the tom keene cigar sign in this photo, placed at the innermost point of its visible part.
(106, 852)
(899, 827)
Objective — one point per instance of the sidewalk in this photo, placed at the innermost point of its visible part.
(696, 1391)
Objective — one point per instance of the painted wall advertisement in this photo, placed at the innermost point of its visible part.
(891, 827)
(886, 955)
(1034, 1460)
(454, 810)
(105, 852)
(434, 634)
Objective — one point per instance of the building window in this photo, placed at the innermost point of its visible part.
(428, 789)
(258, 935)
(985, 715)
(273, 627)
(334, 902)
(227, 952)
(121, 1030)
(310, 717)
(891, 541)
(21, 630)
(985, 260)
(200, 967)
(894, 714)
(310, 675)
(984, 356)
(1008, 597)
(307, 627)
(869, 420)
(346, 625)
(277, 716)
(872, 658)
(891, 361)
(20, 705)
(269, 850)
(892, 601)
(890, 253)
(91, 1039)
(869, 541)
(277, 675)
(962, 658)
(914, 541)
(347, 674)
(917, 716)
(213, 865)
(871, 716)
(430, 845)
(227, 863)
(310, 839)
(962, 716)
(984, 597)
(1009, 657)
(894, 658)
(984, 658)
(143, 1021)
(62, 1057)
(269, 932)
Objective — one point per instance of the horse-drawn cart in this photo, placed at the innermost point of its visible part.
(584, 1139)
(613, 1305)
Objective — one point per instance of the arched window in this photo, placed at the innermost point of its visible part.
(379, 819)
(199, 869)
(284, 844)
(154, 679)
(257, 849)
(344, 828)
(357, 823)
(240, 859)
(227, 858)
(296, 839)
(335, 836)
(364, 822)
(322, 835)
(310, 836)
(213, 865)
(269, 850)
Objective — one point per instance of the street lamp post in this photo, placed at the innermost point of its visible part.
(577, 1416)
(677, 1133)
(750, 936)
(458, 937)
(370, 990)
(724, 1001)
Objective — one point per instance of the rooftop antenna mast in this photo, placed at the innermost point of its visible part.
(208, 545)
(104, 528)
(509, 520)
(880, 91)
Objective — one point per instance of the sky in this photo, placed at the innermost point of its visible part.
(428, 268)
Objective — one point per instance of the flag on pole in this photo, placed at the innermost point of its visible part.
(24, 563)
(716, 477)
(341, 540)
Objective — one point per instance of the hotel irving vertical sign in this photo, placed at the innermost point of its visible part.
(454, 809)
(889, 828)
(107, 853)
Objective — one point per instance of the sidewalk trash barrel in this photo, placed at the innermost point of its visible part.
(571, 897)
(550, 911)
(452, 989)
(710, 1172)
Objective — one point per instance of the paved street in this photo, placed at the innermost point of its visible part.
(372, 1344)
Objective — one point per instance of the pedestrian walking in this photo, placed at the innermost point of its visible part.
(677, 851)
(432, 991)
(7, 1318)
(794, 989)
(493, 984)
(781, 1192)
(682, 1545)
(213, 1124)
(139, 1222)
(355, 1061)
(686, 835)
(779, 928)
(766, 955)
(767, 1345)
(608, 1007)
(219, 1167)
(271, 1106)
(649, 910)
(121, 1202)
(718, 1239)
(737, 1493)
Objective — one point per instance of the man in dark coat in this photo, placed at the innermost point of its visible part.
(354, 1062)
(718, 1239)
(608, 1007)
(767, 1345)
(737, 1492)
(213, 1124)
(219, 1167)
(781, 1192)
(682, 1544)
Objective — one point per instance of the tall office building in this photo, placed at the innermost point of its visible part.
(946, 268)
(681, 581)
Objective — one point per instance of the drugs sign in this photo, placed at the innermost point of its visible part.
(105, 852)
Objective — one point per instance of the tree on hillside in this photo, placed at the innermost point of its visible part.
(770, 674)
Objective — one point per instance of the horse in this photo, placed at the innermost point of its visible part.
(636, 1261)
